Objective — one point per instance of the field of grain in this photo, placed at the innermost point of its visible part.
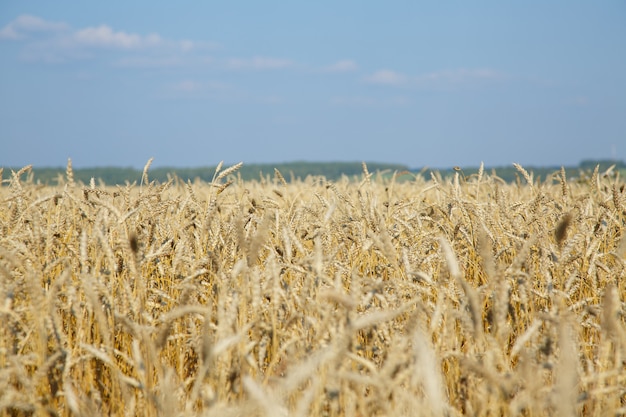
(389, 295)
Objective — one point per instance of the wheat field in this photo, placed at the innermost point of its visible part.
(388, 295)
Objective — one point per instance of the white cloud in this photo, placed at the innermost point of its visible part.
(444, 79)
(105, 36)
(188, 86)
(149, 62)
(58, 42)
(25, 24)
(458, 76)
(386, 77)
(186, 45)
(258, 63)
(346, 65)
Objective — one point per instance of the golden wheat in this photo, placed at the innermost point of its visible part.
(371, 298)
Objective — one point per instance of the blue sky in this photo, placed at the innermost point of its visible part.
(420, 83)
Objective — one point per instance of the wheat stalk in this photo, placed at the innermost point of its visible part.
(229, 171)
(362, 296)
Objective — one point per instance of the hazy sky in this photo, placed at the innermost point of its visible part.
(420, 83)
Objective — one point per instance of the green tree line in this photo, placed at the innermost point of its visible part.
(300, 169)
(289, 170)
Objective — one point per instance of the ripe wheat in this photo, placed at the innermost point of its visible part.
(381, 297)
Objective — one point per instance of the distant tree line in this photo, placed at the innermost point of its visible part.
(542, 173)
(290, 171)
(298, 170)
